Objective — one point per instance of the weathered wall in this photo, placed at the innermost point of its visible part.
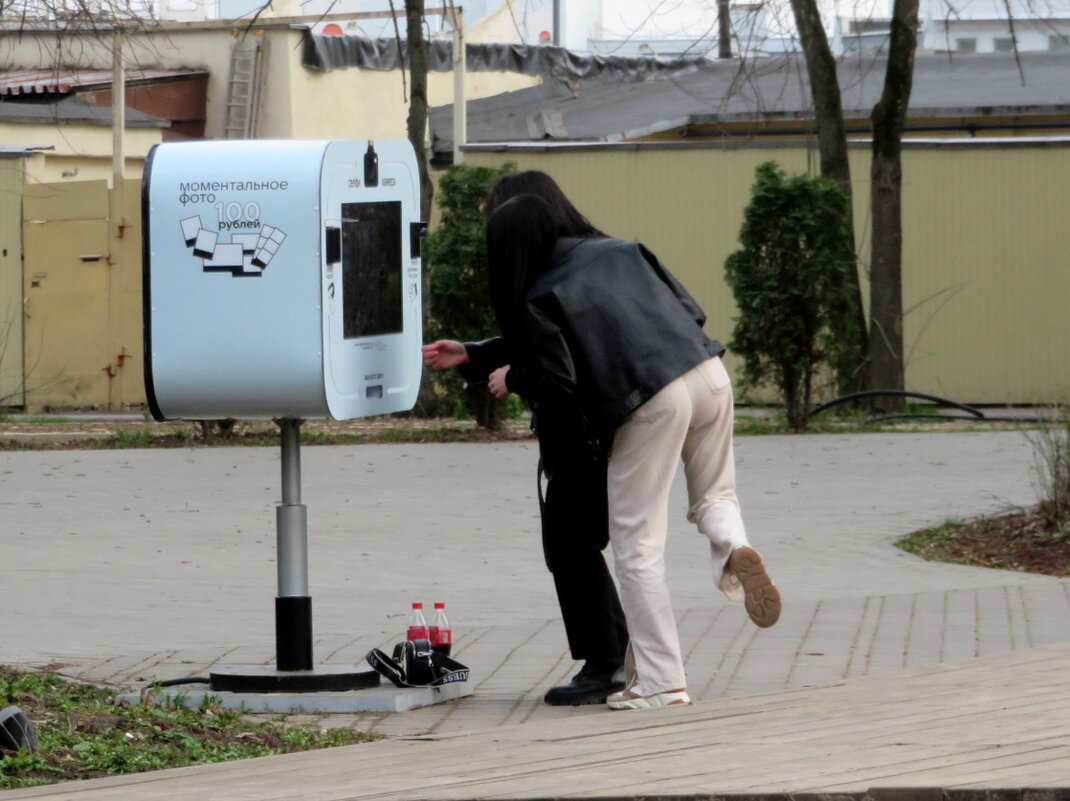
(11, 364)
(355, 103)
(79, 152)
(986, 266)
(82, 297)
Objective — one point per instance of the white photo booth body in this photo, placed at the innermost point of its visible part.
(281, 279)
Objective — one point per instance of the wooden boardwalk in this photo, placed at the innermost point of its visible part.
(1000, 721)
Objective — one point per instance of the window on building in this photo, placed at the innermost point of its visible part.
(966, 45)
(1003, 44)
(1059, 43)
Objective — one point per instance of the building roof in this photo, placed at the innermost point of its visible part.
(23, 150)
(73, 110)
(58, 81)
(772, 89)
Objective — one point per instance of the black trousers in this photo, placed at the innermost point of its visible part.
(575, 531)
(575, 519)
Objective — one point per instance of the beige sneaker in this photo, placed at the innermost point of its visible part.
(761, 598)
(626, 699)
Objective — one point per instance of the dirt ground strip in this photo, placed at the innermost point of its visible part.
(69, 431)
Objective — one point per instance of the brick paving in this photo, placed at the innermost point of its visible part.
(124, 567)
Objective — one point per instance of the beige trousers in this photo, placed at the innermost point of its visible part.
(690, 418)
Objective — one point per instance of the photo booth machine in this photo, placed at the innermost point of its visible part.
(282, 281)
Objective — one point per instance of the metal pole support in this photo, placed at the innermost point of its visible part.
(294, 671)
(293, 606)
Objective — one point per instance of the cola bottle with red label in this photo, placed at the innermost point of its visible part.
(441, 633)
(417, 623)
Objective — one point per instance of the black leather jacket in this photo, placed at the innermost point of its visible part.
(608, 327)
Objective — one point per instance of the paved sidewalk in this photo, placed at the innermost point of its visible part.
(913, 736)
(125, 567)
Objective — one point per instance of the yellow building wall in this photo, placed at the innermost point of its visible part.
(686, 206)
(355, 103)
(987, 272)
(986, 263)
(11, 364)
(82, 298)
(296, 102)
(80, 152)
(276, 115)
(499, 25)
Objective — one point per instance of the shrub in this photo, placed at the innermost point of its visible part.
(791, 282)
(1051, 446)
(458, 299)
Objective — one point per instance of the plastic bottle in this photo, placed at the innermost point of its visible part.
(441, 633)
(417, 623)
(371, 165)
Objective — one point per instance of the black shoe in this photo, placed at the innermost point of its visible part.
(592, 685)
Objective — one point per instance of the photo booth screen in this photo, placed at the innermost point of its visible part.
(371, 269)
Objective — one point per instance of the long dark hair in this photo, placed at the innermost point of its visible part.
(567, 218)
(521, 234)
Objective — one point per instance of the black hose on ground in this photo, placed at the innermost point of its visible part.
(896, 393)
(975, 413)
(187, 680)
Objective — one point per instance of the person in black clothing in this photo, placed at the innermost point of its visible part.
(574, 513)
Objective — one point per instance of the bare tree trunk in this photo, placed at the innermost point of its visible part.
(724, 29)
(825, 89)
(417, 121)
(886, 367)
(831, 139)
(416, 49)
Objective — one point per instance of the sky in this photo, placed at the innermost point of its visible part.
(619, 19)
(670, 19)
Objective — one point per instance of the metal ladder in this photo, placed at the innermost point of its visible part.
(243, 87)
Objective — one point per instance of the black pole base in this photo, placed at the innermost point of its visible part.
(293, 633)
(294, 672)
(266, 679)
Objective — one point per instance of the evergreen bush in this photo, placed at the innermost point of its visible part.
(791, 282)
(458, 299)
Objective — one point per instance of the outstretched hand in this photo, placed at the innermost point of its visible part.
(445, 353)
(496, 382)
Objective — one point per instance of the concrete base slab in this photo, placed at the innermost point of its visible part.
(378, 699)
(268, 679)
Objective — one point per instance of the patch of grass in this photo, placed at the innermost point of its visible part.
(750, 421)
(443, 433)
(43, 419)
(1018, 541)
(750, 425)
(848, 422)
(131, 438)
(514, 408)
(1033, 540)
(933, 544)
(82, 734)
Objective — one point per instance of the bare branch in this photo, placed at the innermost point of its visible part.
(401, 52)
(636, 30)
(1014, 40)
